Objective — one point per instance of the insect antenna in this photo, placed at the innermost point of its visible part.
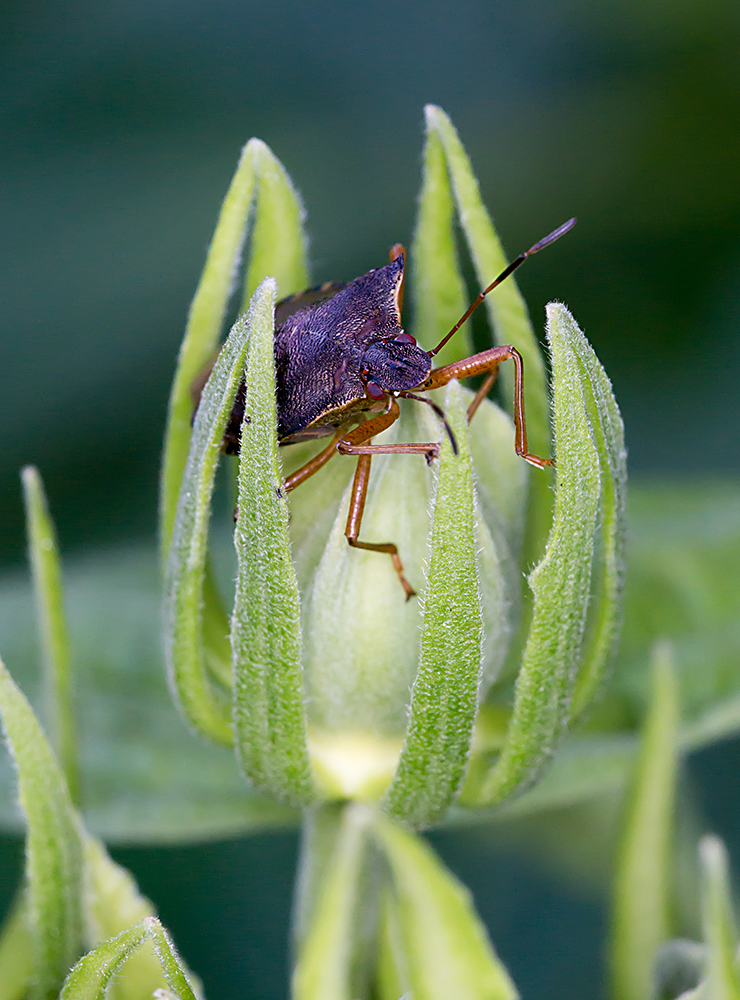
(540, 245)
(438, 410)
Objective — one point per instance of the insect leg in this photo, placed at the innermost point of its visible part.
(354, 520)
(353, 443)
(487, 362)
(313, 464)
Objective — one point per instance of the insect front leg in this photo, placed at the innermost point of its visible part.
(357, 442)
(354, 520)
(486, 363)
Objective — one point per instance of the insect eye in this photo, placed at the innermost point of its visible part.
(405, 338)
(375, 391)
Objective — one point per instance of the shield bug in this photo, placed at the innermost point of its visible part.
(342, 361)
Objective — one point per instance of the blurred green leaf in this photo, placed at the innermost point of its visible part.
(53, 852)
(444, 696)
(722, 977)
(47, 579)
(682, 584)
(145, 776)
(16, 952)
(90, 978)
(269, 712)
(323, 969)
(642, 890)
(392, 974)
(447, 951)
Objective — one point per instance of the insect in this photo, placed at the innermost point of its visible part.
(342, 361)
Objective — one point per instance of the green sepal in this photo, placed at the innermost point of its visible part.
(444, 696)
(278, 242)
(561, 582)
(278, 249)
(202, 334)
(323, 969)
(608, 435)
(641, 890)
(722, 977)
(439, 292)
(507, 312)
(91, 977)
(52, 624)
(53, 850)
(205, 706)
(269, 713)
(113, 904)
(445, 945)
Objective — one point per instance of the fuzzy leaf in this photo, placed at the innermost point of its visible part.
(114, 904)
(278, 242)
(446, 948)
(561, 583)
(203, 332)
(440, 296)
(90, 978)
(53, 851)
(507, 310)
(269, 713)
(323, 966)
(608, 434)
(718, 922)
(203, 705)
(641, 894)
(47, 578)
(445, 691)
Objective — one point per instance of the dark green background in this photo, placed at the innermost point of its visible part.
(121, 125)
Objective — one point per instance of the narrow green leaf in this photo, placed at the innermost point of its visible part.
(561, 583)
(91, 977)
(269, 713)
(506, 307)
(608, 433)
(16, 952)
(641, 894)
(440, 296)
(204, 706)
(53, 851)
(447, 950)
(718, 922)
(507, 313)
(113, 904)
(392, 975)
(323, 969)
(278, 242)
(445, 691)
(47, 579)
(203, 332)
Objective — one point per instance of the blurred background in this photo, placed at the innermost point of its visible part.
(120, 127)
